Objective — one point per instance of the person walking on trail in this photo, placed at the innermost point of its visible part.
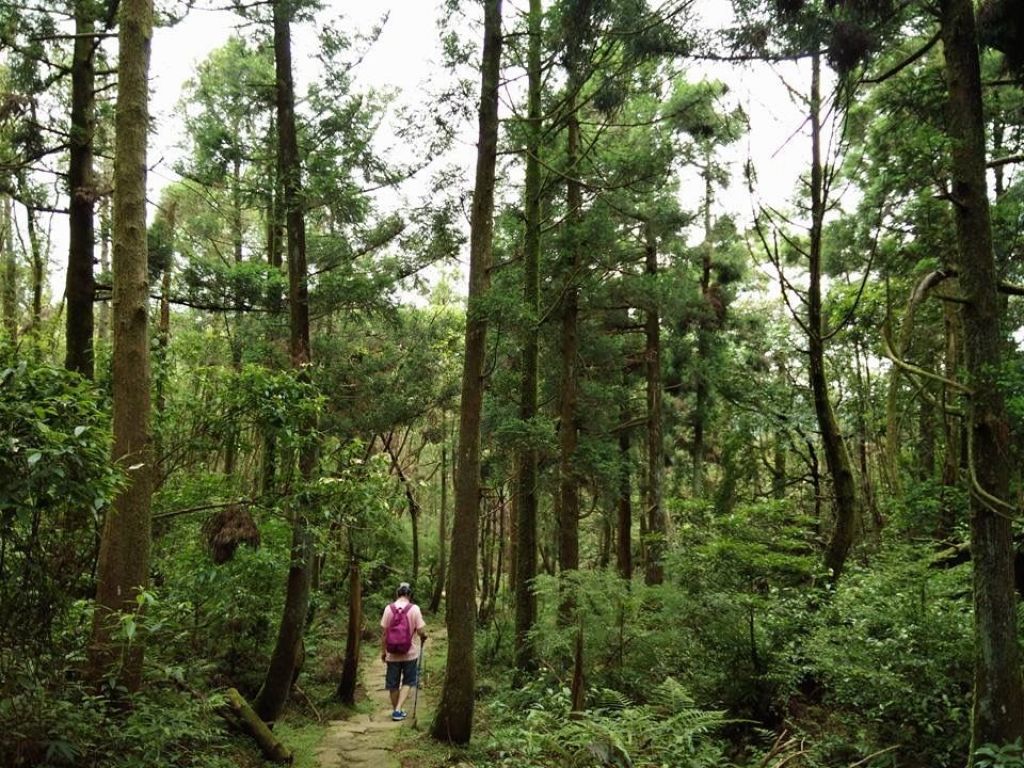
(401, 622)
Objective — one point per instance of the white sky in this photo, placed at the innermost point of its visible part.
(407, 55)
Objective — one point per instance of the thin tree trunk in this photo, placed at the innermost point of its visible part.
(568, 506)
(38, 269)
(80, 286)
(10, 293)
(232, 436)
(274, 237)
(453, 721)
(281, 671)
(526, 497)
(702, 392)
(998, 713)
(837, 457)
(164, 336)
(410, 497)
(862, 374)
(123, 567)
(442, 532)
(657, 527)
(350, 666)
(778, 467)
(624, 506)
(103, 330)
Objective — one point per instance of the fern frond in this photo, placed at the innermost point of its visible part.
(609, 700)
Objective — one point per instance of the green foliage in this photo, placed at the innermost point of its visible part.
(893, 655)
(223, 615)
(62, 725)
(533, 728)
(996, 756)
(55, 482)
(747, 592)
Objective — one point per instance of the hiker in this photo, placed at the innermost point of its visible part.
(401, 622)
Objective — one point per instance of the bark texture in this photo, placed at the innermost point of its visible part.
(350, 666)
(453, 721)
(81, 284)
(998, 715)
(246, 717)
(284, 660)
(123, 567)
(526, 498)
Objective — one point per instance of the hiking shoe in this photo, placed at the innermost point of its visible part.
(398, 714)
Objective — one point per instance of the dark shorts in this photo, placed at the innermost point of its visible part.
(400, 673)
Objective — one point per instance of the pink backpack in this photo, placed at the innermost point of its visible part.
(399, 635)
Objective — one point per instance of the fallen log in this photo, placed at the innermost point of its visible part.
(250, 722)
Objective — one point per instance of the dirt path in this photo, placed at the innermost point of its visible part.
(367, 739)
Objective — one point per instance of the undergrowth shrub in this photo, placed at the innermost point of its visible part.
(894, 657)
(634, 635)
(224, 614)
(51, 719)
(55, 482)
(532, 728)
(750, 582)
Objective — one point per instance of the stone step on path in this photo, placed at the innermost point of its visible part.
(368, 739)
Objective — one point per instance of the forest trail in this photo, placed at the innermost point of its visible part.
(369, 739)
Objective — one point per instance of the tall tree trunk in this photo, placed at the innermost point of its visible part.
(953, 428)
(998, 714)
(10, 264)
(568, 428)
(454, 719)
(123, 566)
(657, 528)
(837, 457)
(80, 279)
(526, 497)
(486, 564)
(281, 671)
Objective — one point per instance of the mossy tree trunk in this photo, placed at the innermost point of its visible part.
(998, 714)
(837, 456)
(123, 567)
